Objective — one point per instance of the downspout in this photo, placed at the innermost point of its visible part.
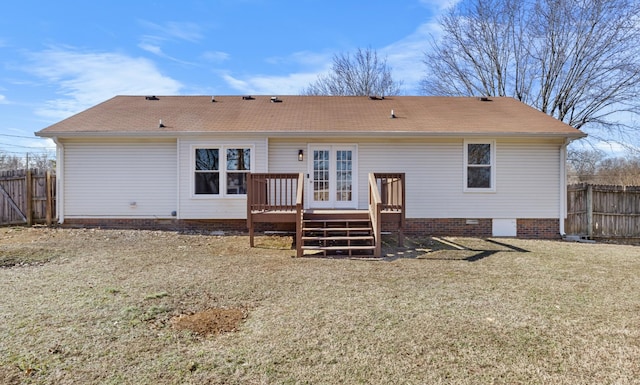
(563, 186)
(59, 180)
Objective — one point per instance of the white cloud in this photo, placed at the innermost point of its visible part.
(439, 4)
(406, 55)
(154, 49)
(3, 99)
(170, 32)
(290, 84)
(306, 67)
(311, 60)
(191, 32)
(215, 56)
(85, 79)
(153, 44)
(183, 31)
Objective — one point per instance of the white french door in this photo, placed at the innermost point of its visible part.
(332, 176)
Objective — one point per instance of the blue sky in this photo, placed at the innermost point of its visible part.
(61, 57)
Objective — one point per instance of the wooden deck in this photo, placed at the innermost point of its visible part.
(279, 198)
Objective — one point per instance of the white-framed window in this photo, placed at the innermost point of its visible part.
(479, 166)
(221, 171)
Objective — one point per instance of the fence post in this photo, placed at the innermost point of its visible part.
(589, 211)
(29, 197)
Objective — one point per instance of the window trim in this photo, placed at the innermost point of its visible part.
(492, 165)
(222, 169)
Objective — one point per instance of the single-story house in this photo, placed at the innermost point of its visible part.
(450, 165)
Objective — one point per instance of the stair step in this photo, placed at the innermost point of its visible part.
(336, 220)
(336, 248)
(340, 238)
(336, 229)
(342, 234)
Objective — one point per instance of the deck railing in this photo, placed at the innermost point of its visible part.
(392, 197)
(391, 187)
(272, 192)
(279, 198)
(275, 198)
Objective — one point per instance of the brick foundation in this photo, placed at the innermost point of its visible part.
(539, 228)
(227, 225)
(448, 226)
(481, 228)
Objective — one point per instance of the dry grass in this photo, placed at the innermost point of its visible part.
(92, 306)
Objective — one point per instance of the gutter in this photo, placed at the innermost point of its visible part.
(307, 134)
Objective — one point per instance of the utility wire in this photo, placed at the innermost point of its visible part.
(24, 137)
(17, 145)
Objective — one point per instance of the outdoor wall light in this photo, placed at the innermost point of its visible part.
(300, 155)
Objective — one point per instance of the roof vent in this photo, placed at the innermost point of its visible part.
(274, 99)
(373, 97)
(248, 97)
(161, 125)
(485, 99)
(213, 99)
(151, 97)
(393, 115)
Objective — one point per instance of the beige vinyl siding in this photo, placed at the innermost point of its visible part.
(283, 156)
(527, 179)
(215, 207)
(104, 178)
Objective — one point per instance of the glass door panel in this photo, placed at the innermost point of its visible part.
(332, 175)
(321, 176)
(344, 175)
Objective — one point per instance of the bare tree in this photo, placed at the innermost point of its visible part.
(10, 162)
(576, 60)
(42, 161)
(592, 166)
(363, 74)
(583, 165)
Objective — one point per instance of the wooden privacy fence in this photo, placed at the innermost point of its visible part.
(27, 197)
(597, 211)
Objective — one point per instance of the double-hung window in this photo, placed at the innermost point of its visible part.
(479, 170)
(221, 171)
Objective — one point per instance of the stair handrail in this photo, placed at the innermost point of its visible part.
(299, 214)
(375, 209)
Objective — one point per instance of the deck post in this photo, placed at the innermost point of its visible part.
(249, 211)
(403, 207)
(375, 208)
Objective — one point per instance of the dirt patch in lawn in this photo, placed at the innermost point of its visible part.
(210, 321)
(15, 257)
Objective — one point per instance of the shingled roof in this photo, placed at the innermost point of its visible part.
(305, 115)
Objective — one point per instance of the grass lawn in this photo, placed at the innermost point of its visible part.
(104, 307)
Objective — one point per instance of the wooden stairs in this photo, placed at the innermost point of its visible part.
(337, 233)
